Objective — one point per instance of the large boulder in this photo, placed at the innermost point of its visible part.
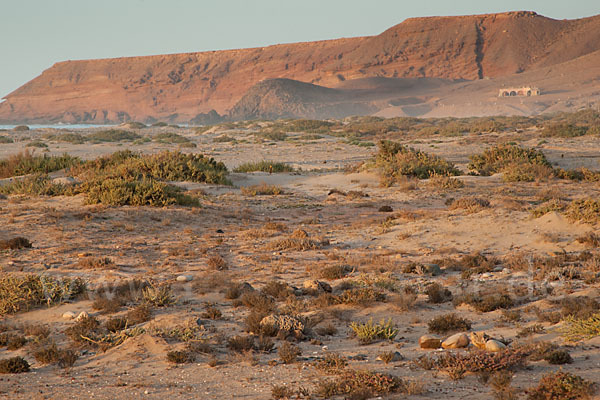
(429, 342)
(456, 341)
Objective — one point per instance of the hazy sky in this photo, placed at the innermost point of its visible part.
(34, 34)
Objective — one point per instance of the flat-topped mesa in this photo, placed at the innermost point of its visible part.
(180, 87)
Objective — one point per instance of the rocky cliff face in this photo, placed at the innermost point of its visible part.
(181, 87)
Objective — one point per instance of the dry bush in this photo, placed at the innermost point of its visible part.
(361, 296)
(438, 294)
(470, 204)
(288, 352)
(361, 384)
(211, 312)
(297, 241)
(15, 243)
(277, 290)
(445, 182)
(584, 210)
(329, 272)
(241, 344)
(258, 301)
(448, 323)
(590, 239)
(180, 356)
(14, 365)
(406, 299)
(96, 263)
(158, 295)
(499, 157)
(475, 361)
(139, 314)
(217, 263)
(485, 302)
(262, 190)
(83, 330)
(116, 324)
(562, 386)
(558, 357)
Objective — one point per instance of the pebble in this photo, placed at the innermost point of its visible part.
(184, 278)
(494, 345)
(69, 315)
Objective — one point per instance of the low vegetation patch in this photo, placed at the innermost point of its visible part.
(262, 190)
(498, 158)
(24, 292)
(575, 329)
(113, 135)
(369, 332)
(14, 365)
(264, 166)
(27, 162)
(561, 385)
(395, 160)
(448, 323)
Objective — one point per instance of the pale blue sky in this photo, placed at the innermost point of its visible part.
(34, 34)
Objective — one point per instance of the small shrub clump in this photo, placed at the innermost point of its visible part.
(561, 386)
(395, 160)
(14, 365)
(264, 166)
(369, 332)
(448, 323)
(497, 158)
(288, 352)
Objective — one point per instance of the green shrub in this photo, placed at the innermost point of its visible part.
(563, 130)
(35, 185)
(170, 137)
(37, 143)
(5, 139)
(18, 293)
(497, 158)
(262, 190)
(158, 295)
(395, 160)
(584, 210)
(118, 192)
(369, 332)
(21, 128)
(264, 166)
(113, 135)
(73, 138)
(27, 163)
(575, 329)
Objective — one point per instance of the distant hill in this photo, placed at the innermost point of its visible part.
(468, 54)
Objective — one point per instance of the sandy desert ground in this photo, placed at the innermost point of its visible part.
(334, 248)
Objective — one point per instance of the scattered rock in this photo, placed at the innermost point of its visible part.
(386, 209)
(479, 339)
(64, 180)
(494, 345)
(395, 357)
(319, 286)
(456, 341)
(429, 342)
(69, 315)
(82, 315)
(184, 278)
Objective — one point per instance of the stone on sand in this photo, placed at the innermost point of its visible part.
(456, 341)
(429, 342)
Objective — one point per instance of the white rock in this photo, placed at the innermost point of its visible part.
(494, 345)
(69, 315)
(184, 278)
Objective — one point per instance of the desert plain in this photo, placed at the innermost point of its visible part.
(321, 281)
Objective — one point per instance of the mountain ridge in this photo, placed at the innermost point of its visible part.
(182, 86)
